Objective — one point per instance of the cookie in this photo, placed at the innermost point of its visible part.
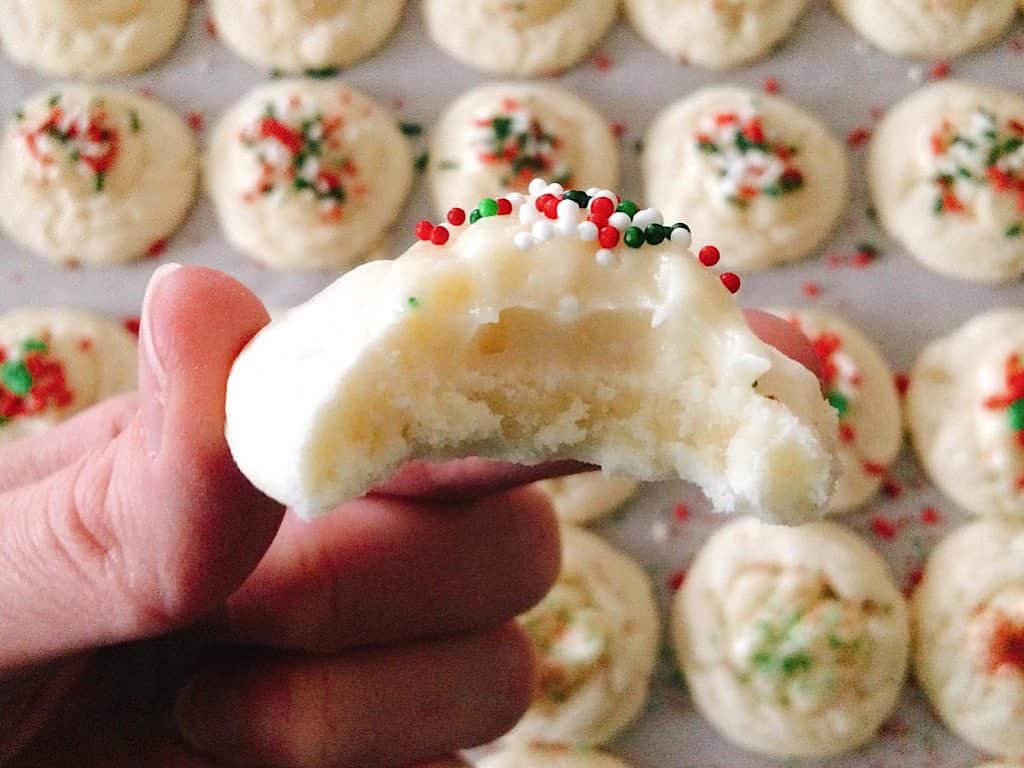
(861, 388)
(965, 411)
(946, 169)
(595, 636)
(755, 174)
(548, 757)
(717, 34)
(794, 641)
(547, 326)
(94, 39)
(518, 37)
(55, 363)
(927, 28)
(305, 35)
(307, 174)
(497, 138)
(586, 497)
(969, 640)
(93, 176)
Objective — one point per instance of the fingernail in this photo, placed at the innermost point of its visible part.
(204, 717)
(146, 340)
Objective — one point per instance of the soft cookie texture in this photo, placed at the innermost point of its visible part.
(519, 37)
(965, 410)
(794, 641)
(586, 497)
(94, 38)
(754, 174)
(549, 757)
(927, 28)
(94, 176)
(305, 35)
(860, 386)
(969, 615)
(497, 138)
(521, 338)
(595, 636)
(307, 175)
(946, 169)
(57, 362)
(717, 34)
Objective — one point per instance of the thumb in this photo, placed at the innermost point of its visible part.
(158, 527)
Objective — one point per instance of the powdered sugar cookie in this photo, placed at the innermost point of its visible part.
(969, 644)
(588, 496)
(927, 28)
(794, 641)
(549, 757)
(549, 326)
(94, 175)
(302, 35)
(860, 386)
(596, 637)
(947, 173)
(100, 37)
(57, 362)
(307, 175)
(497, 138)
(965, 410)
(519, 37)
(717, 34)
(755, 174)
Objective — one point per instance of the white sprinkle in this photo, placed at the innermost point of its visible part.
(619, 220)
(587, 231)
(681, 237)
(915, 74)
(591, 191)
(543, 230)
(646, 217)
(523, 241)
(565, 227)
(607, 258)
(604, 193)
(569, 211)
(537, 187)
(516, 198)
(555, 189)
(660, 531)
(528, 214)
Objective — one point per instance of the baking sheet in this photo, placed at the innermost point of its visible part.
(823, 67)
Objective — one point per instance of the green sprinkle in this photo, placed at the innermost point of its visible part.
(638, 146)
(865, 247)
(655, 234)
(1014, 230)
(134, 122)
(938, 207)
(275, 74)
(628, 207)
(502, 127)
(475, 216)
(410, 129)
(16, 377)
(322, 73)
(1016, 414)
(414, 302)
(578, 196)
(448, 165)
(19, 115)
(634, 237)
(772, 190)
(488, 207)
(708, 147)
(796, 662)
(838, 401)
(54, 100)
(421, 162)
(34, 345)
(872, 213)
(101, 181)
(3, 421)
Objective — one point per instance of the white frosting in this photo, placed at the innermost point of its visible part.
(794, 641)
(969, 615)
(470, 349)
(95, 176)
(586, 497)
(95, 38)
(929, 175)
(299, 35)
(596, 639)
(959, 410)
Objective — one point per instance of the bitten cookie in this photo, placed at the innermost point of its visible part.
(794, 641)
(586, 497)
(95, 38)
(305, 35)
(754, 174)
(307, 175)
(547, 326)
(860, 386)
(717, 34)
(549, 757)
(497, 138)
(946, 169)
(94, 176)
(518, 37)
(57, 362)
(969, 614)
(595, 636)
(965, 411)
(927, 28)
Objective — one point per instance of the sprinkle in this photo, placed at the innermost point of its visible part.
(410, 129)
(630, 208)
(488, 207)
(543, 231)
(132, 325)
(681, 512)
(602, 207)
(858, 137)
(681, 236)
(902, 383)
(811, 289)
(655, 234)
(884, 528)
(210, 26)
(156, 248)
(930, 516)
(608, 237)
(439, 236)
(731, 281)
(424, 230)
(414, 302)
(195, 120)
(771, 85)
(676, 579)
(524, 241)
(634, 237)
(709, 256)
(620, 221)
(456, 217)
(646, 217)
(847, 434)
(504, 206)
(940, 69)
(606, 258)
(421, 162)
(891, 488)
(587, 231)
(603, 62)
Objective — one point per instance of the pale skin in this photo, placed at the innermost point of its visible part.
(157, 610)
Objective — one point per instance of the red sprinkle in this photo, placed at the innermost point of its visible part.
(131, 324)
(504, 206)
(914, 578)
(858, 137)
(891, 488)
(603, 62)
(731, 281)
(1006, 648)
(551, 207)
(771, 85)
(709, 255)
(602, 207)
(156, 248)
(884, 528)
(195, 120)
(940, 69)
(811, 289)
(681, 512)
(873, 468)
(608, 237)
(424, 230)
(847, 434)
(930, 516)
(675, 579)
(439, 236)
(456, 217)
(211, 26)
(902, 382)
(618, 129)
